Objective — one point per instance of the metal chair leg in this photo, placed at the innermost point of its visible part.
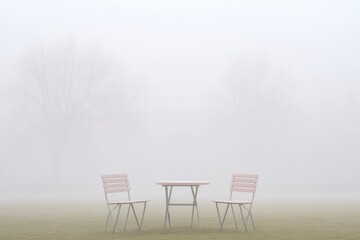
(232, 209)
(107, 220)
(218, 213)
(117, 217)
(109, 216)
(127, 216)
(222, 223)
(242, 216)
(143, 214)
(252, 220)
(137, 221)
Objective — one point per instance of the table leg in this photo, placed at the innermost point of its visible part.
(194, 193)
(167, 212)
(166, 206)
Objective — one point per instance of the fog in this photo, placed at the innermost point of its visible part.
(179, 90)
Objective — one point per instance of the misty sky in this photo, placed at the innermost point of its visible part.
(181, 90)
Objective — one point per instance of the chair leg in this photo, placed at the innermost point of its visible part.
(252, 220)
(107, 220)
(249, 215)
(218, 213)
(137, 221)
(117, 217)
(232, 209)
(242, 216)
(143, 214)
(222, 223)
(127, 216)
(108, 216)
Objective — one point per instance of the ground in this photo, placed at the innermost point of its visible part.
(54, 220)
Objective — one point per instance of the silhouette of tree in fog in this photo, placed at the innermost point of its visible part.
(252, 83)
(252, 97)
(66, 89)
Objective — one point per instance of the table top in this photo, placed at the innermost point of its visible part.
(182, 183)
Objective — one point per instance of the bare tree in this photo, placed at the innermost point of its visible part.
(252, 83)
(252, 96)
(65, 89)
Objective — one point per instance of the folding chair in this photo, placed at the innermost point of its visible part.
(244, 184)
(117, 184)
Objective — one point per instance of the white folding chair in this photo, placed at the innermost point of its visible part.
(118, 184)
(244, 185)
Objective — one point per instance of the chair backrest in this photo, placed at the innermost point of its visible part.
(243, 183)
(116, 183)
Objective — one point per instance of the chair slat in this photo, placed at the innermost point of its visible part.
(246, 185)
(115, 180)
(239, 189)
(245, 175)
(115, 185)
(244, 180)
(114, 190)
(114, 176)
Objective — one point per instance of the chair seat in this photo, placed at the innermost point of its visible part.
(232, 201)
(129, 202)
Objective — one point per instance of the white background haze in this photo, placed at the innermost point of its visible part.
(179, 90)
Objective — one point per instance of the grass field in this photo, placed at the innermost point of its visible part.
(86, 221)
